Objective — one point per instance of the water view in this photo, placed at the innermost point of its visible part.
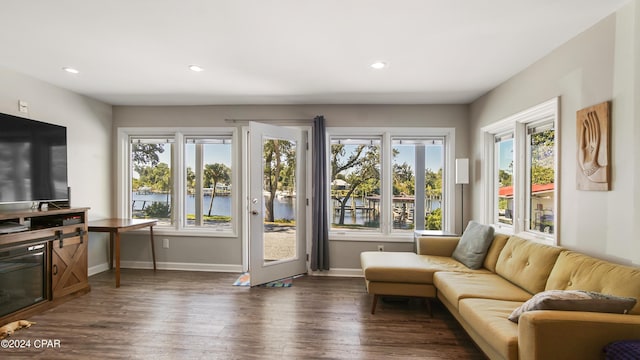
(283, 207)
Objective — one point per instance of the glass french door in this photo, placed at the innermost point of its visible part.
(277, 203)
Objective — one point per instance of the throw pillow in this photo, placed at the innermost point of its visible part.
(623, 349)
(473, 245)
(574, 300)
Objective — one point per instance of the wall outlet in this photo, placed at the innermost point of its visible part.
(165, 243)
(380, 247)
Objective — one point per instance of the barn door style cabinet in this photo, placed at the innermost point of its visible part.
(43, 260)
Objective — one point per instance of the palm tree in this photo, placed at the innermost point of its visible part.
(191, 181)
(214, 174)
(403, 179)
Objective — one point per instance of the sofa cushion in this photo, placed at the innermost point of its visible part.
(574, 300)
(498, 243)
(436, 245)
(527, 263)
(473, 245)
(575, 271)
(457, 286)
(405, 267)
(489, 319)
(394, 267)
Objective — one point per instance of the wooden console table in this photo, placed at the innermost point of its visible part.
(116, 226)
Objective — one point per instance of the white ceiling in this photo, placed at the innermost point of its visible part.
(136, 52)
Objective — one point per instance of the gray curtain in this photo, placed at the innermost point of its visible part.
(320, 235)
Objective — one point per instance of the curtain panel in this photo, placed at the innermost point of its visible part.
(320, 236)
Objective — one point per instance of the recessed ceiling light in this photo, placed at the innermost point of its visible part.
(70, 70)
(195, 68)
(379, 65)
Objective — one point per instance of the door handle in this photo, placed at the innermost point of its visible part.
(254, 212)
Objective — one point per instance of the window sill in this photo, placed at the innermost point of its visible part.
(371, 237)
(171, 231)
(527, 235)
(537, 237)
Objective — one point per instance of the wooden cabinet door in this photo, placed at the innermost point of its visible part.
(69, 265)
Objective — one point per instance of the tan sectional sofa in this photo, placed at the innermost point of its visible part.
(514, 270)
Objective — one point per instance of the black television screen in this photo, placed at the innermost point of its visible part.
(33, 160)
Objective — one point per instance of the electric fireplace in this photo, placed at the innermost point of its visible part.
(22, 276)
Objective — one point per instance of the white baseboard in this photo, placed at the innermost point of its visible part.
(181, 266)
(338, 272)
(97, 269)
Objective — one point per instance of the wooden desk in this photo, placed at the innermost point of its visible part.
(116, 226)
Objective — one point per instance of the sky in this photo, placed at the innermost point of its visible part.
(433, 159)
(213, 153)
(506, 154)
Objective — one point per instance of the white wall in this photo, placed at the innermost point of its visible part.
(598, 65)
(89, 141)
(635, 248)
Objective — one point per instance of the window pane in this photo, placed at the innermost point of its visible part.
(504, 178)
(417, 163)
(208, 196)
(355, 183)
(279, 192)
(151, 180)
(541, 189)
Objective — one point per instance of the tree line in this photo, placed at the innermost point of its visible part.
(359, 168)
(156, 175)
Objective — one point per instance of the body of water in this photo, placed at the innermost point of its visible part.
(359, 217)
(283, 207)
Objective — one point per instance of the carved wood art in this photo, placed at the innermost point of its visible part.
(592, 129)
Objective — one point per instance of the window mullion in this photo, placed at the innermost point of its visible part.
(420, 195)
(528, 183)
(489, 203)
(385, 194)
(520, 177)
(495, 184)
(199, 192)
(178, 174)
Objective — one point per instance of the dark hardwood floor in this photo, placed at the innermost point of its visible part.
(200, 315)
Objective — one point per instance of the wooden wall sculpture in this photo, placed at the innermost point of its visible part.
(592, 129)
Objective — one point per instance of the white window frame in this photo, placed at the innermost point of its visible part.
(546, 112)
(420, 181)
(123, 177)
(495, 179)
(386, 232)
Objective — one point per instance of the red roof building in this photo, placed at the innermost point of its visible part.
(507, 191)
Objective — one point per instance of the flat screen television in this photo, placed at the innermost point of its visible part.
(33, 160)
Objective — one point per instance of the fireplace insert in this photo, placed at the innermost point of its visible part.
(22, 276)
